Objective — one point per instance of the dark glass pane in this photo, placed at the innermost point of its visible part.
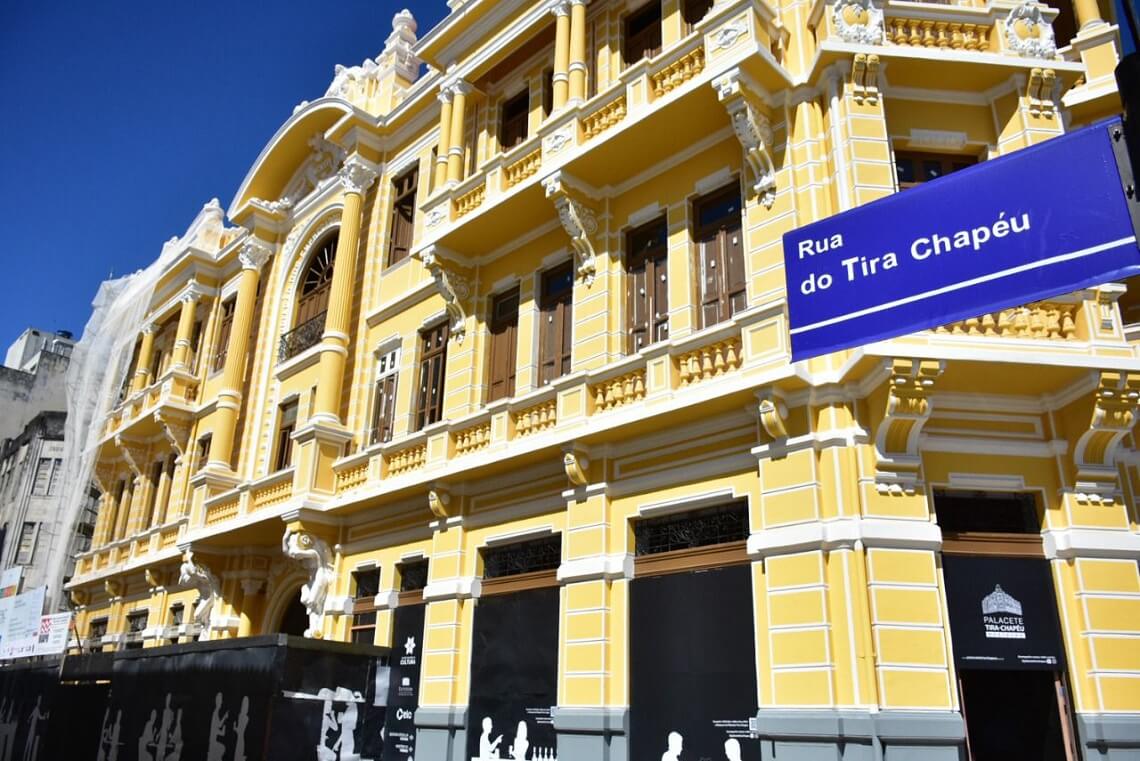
(1002, 513)
(367, 583)
(905, 169)
(413, 576)
(699, 528)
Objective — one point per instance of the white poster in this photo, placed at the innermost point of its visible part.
(10, 581)
(53, 633)
(23, 624)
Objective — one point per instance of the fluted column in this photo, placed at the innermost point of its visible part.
(103, 520)
(577, 65)
(1087, 12)
(181, 357)
(357, 174)
(561, 78)
(123, 512)
(442, 151)
(459, 93)
(142, 377)
(254, 253)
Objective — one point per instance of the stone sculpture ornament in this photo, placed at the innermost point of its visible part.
(1028, 33)
(314, 556)
(859, 21)
(197, 576)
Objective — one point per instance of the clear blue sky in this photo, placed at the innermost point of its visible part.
(120, 119)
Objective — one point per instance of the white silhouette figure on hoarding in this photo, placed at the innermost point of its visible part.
(148, 738)
(32, 746)
(175, 746)
(217, 750)
(239, 729)
(337, 740)
(732, 749)
(7, 728)
(674, 751)
(109, 737)
(521, 745)
(488, 748)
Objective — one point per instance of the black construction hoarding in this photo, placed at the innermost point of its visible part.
(404, 682)
(1003, 613)
(692, 666)
(514, 676)
(250, 699)
(42, 719)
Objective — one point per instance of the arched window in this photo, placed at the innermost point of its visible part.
(312, 300)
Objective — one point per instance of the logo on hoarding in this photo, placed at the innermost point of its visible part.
(410, 646)
(1001, 615)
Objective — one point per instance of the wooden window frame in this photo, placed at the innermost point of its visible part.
(514, 128)
(948, 163)
(636, 46)
(401, 233)
(225, 327)
(504, 346)
(283, 444)
(384, 396)
(202, 450)
(518, 582)
(314, 303)
(429, 397)
(363, 607)
(555, 313)
(654, 261)
(715, 233)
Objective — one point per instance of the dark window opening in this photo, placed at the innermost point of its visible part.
(699, 528)
(384, 398)
(513, 123)
(643, 33)
(692, 11)
(413, 575)
(547, 91)
(962, 512)
(283, 453)
(403, 220)
(916, 168)
(224, 331)
(366, 583)
(647, 285)
(522, 557)
(201, 452)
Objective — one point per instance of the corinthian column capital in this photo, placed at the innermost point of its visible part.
(254, 254)
(357, 174)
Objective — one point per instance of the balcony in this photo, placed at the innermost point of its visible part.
(653, 106)
(140, 549)
(970, 47)
(304, 336)
(723, 362)
(162, 406)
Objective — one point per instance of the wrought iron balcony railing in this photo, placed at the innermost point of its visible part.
(301, 337)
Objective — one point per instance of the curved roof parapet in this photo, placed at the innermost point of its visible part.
(286, 150)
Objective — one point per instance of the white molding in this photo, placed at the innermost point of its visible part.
(845, 533)
(684, 504)
(462, 588)
(522, 535)
(616, 566)
(929, 442)
(1069, 543)
(986, 482)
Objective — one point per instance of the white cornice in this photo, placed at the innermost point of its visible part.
(845, 533)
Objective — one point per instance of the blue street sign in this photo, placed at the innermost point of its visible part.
(1042, 221)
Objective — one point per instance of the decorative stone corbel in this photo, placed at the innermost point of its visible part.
(314, 555)
(451, 285)
(754, 132)
(154, 578)
(80, 597)
(134, 453)
(865, 78)
(1039, 92)
(176, 431)
(576, 463)
(908, 408)
(1113, 415)
(578, 220)
(859, 21)
(439, 502)
(773, 414)
(1028, 33)
(114, 588)
(194, 575)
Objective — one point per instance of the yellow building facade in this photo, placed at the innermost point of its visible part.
(490, 365)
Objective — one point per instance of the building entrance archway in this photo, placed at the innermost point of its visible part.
(294, 618)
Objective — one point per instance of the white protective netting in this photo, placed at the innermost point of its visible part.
(94, 377)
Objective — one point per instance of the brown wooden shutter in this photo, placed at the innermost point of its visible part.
(513, 125)
(643, 32)
(647, 292)
(433, 367)
(384, 411)
(224, 333)
(736, 281)
(556, 316)
(285, 427)
(504, 340)
(720, 242)
(402, 226)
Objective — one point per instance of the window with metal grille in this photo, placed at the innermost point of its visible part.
(287, 423)
(543, 554)
(513, 120)
(26, 549)
(556, 308)
(647, 285)
(384, 400)
(227, 324)
(642, 33)
(413, 575)
(403, 220)
(433, 368)
(366, 585)
(697, 528)
(916, 168)
(136, 624)
(96, 630)
(504, 343)
(717, 232)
